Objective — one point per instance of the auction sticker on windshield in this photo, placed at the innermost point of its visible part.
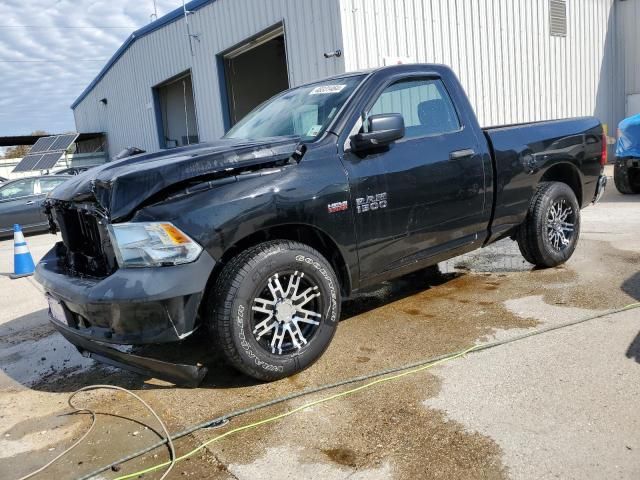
(327, 89)
(314, 130)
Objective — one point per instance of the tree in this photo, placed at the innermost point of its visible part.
(20, 151)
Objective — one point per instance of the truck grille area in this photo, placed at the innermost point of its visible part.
(88, 250)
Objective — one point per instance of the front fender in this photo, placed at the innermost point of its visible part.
(231, 210)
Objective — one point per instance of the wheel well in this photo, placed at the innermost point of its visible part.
(300, 233)
(565, 173)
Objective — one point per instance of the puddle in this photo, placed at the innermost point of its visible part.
(502, 256)
(551, 401)
(290, 462)
(384, 432)
(112, 437)
(342, 456)
(29, 362)
(36, 433)
(536, 308)
(428, 312)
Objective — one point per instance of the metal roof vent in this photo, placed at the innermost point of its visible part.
(558, 18)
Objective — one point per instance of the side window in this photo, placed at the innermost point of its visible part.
(424, 103)
(17, 189)
(48, 184)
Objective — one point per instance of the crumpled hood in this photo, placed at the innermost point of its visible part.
(121, 186)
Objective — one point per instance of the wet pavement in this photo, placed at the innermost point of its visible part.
(561, 405)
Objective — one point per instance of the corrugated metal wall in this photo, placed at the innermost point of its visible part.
(511, 67)
(629, 28)
(312, 27)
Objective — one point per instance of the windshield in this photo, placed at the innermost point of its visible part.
(304, 111)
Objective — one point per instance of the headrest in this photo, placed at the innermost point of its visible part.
(433, 112)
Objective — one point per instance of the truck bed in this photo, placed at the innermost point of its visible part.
(523, 154)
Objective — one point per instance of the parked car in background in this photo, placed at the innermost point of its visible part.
(626, 173)
(21, 202)
(71, 170)
(325, 189)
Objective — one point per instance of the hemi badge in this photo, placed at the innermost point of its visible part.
(338, 207)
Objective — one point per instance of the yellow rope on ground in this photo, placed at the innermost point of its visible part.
(342, 394)
(352, 391)
(296, 410)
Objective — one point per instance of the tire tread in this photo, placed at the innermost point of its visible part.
(531, 246)
(219, 304)
(623, 181)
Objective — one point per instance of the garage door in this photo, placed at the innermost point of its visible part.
(176, 112)
(264, 58)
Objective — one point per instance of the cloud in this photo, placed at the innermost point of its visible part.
(37, 96)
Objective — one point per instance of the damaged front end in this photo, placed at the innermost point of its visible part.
(120, 277)
(86, 248)
(95, 303)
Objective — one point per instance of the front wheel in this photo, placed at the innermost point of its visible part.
(274, 309)
(550, 232)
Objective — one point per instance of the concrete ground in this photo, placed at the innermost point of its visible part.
(560, 405)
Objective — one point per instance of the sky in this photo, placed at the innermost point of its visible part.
(45, 65)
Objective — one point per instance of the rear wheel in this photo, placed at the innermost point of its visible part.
(550, 232)
(627, 179)
(274, 309)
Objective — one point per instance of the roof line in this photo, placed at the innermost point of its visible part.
(170, 17)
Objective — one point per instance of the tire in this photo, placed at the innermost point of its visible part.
(241, 318)
(549, 235)
(627, 179)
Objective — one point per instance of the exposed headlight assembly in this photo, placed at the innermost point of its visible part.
(152, 244)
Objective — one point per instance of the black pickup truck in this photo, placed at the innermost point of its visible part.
(319, 192)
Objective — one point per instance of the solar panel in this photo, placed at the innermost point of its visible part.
(28, 162)
(43, 144)
(47, 161)
(46, 152)
(63, 142)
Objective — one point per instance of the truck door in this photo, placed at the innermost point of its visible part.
(423, 195)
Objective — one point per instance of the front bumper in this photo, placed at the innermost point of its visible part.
(629, 162)
(133, 306)
(600, 188)
(180, 374)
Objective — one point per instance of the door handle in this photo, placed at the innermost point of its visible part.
(30, 202)
(467, 152)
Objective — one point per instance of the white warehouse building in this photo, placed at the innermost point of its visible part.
(190, 75)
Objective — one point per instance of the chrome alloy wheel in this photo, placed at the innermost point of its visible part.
(284, 321)
(560, 224)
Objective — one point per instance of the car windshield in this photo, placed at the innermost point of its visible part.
(305, 111)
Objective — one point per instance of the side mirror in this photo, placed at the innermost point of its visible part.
(383, 130)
